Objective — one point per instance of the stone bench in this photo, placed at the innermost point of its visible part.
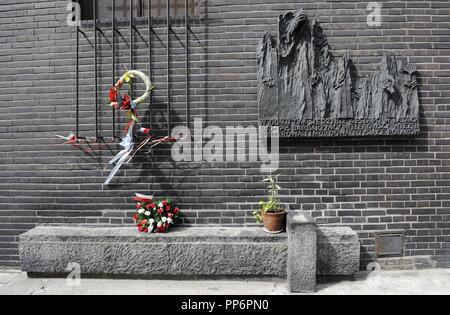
(182, 252)
(194, 251)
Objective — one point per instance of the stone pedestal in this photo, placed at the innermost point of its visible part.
(302, 253)
(338, 251)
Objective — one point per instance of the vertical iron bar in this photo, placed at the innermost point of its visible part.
(141, 8)
(150, 47)
(78, 82)
(95, 65)
(168, 68)
(131, 35)
(187, 59)
(114, 63)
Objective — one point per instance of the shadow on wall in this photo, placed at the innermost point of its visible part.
(157, 168)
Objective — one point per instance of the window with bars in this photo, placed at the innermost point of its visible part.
(115, 10)
(140, 8)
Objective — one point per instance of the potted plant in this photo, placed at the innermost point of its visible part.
(272, 213)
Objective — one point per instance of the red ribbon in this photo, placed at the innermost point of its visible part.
(113, 94)
(126, 102)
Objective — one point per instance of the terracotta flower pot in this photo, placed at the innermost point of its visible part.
(274, 223)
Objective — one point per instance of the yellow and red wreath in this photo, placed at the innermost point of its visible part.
(125, 102)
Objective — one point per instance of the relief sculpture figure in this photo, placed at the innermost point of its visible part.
(294, 88)
(267, 76)
(308, 92)
(408, 90)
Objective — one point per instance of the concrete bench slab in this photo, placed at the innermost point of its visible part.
(183, 252)
(211, 251)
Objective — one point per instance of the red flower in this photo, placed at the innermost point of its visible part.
(136, 217)
(167, 225)
(126, 102)
(138, 206)
(170, 215)
(168, 208)
(145, 230)
(176, 211)
(162, 229)
(160, 211)
(148, 207)
(164, 203)
(152, 205)
(144, 222)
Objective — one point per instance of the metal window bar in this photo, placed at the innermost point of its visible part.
(169, 105)
(77, 81)
(186, 16)
(131, 40)
(141, 8)
(113, 32)
(150, 52)
(187, 9)
(97, 133)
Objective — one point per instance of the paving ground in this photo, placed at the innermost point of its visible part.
(390, 283)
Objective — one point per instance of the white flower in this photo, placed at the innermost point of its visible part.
(164, 220)
(160, 205)
(169, 220)
(150, 228)
(151, 221)
(141, 211)
(147, 213)
(159, 224)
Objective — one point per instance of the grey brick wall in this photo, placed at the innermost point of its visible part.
(369, 184)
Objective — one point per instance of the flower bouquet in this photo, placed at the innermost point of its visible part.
(155, 215)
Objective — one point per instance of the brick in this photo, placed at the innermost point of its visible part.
(368, 184)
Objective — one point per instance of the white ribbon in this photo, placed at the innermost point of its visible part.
(122, 156)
